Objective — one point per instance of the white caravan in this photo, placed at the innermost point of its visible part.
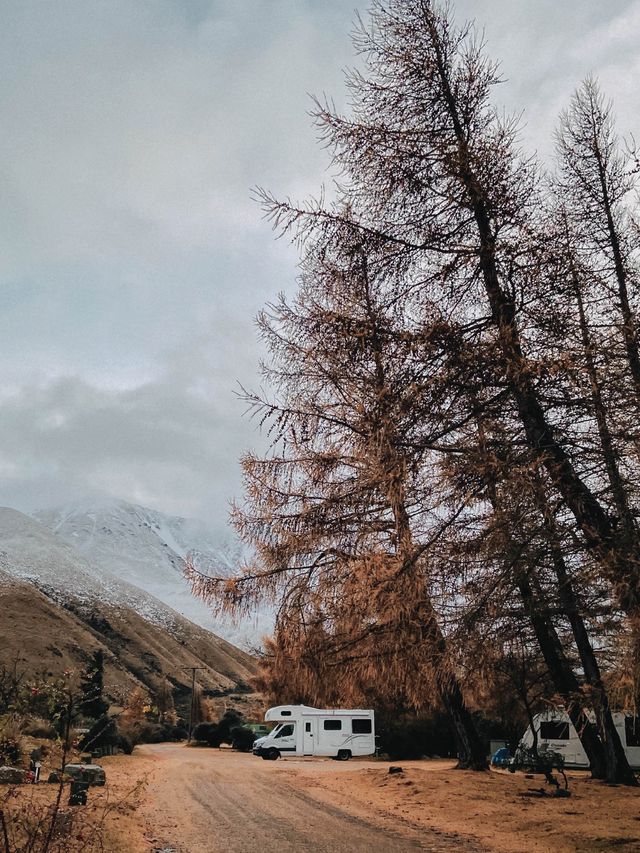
(312, 731)
(557, 734)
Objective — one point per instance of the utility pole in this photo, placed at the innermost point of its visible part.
(193, 670)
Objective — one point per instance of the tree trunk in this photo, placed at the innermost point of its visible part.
(617, 767)
(620, 565)
(560, 670)
(471, 752)
(604, 433)
(564, 680)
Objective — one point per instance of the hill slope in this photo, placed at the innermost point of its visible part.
(56, 610)
(146, 549)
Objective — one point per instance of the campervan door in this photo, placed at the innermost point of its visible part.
(557, 734)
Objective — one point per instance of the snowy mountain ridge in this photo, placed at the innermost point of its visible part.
(145, 549)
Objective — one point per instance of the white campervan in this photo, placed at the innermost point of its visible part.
(557, 734)
(302, 730)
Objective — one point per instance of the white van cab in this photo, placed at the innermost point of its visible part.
(302, 730)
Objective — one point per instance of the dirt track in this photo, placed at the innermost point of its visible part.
(210, 801)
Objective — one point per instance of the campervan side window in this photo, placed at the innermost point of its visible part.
(632, 730)
(554, 730)
(361, 727)
(285, 713)
(332, 725)
(285, 731)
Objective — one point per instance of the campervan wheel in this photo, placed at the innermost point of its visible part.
(343, 754)
(272, 754)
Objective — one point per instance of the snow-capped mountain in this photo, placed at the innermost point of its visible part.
(30, 552)
(146, 549)
(57, 606)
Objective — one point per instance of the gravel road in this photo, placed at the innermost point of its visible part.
(210, 801)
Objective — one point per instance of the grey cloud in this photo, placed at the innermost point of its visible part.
(162, 444)
(133, 259)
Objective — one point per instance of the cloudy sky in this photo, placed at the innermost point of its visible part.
(133, 259)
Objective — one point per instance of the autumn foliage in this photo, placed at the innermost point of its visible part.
(450, 501)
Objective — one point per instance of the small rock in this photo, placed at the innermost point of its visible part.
(11, 775)
(395, 769)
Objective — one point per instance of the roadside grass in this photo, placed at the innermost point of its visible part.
(107, 824)
(505, 812)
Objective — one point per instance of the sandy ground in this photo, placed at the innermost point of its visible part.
(209, 801)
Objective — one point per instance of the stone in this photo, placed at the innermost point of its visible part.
(93, 774)
(11, 775)
(395, 769)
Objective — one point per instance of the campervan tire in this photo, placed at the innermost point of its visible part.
(273, 754)
(343, 754)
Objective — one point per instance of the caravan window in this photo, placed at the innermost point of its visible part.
(361, 727)
(632, 730)
(332, 725)
(554, 730)
(285, 731)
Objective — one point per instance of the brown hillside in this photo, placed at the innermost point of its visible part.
(49, 638)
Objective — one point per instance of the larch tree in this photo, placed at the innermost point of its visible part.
(450, 413)
(342, 511)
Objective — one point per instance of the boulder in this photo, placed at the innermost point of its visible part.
(11, 775)
(93, 774)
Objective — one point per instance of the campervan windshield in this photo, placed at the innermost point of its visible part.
(285, 730)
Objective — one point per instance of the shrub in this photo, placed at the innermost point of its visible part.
(10, 741)
(242, 738)
(126, 744)
(40, 729)
(230, 720)
(102, 733)
(415, 737)
(179, 733)
(208, 733)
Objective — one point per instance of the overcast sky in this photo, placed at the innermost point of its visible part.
(133, 259)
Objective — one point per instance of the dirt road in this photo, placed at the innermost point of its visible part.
(210, 801)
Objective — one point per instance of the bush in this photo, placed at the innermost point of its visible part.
(10, 741)
(133, 732)
(179, 733)
(102, 733)
(229, 720)
(242, 738)
(229, 730)
(208, 733)
(40, 729)
(415, 737)
(126, 744)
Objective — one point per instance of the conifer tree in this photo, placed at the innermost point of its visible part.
(92, 703)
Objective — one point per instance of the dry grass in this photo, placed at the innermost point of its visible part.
(493, 807)
(107, 824)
